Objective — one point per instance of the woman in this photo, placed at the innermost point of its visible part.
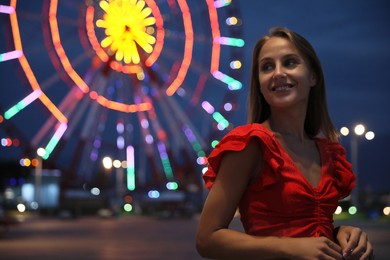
(285, 171)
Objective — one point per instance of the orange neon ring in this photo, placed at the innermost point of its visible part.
(80, 83)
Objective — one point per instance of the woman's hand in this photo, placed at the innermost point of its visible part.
(313, 248)
(354, 243)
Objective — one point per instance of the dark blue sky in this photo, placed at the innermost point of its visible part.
(352, 39)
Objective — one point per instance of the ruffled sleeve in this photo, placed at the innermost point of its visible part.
(237, 140)
(343, 174)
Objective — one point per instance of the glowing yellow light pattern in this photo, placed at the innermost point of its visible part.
(127, 24)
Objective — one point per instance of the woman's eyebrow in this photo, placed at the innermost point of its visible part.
(265, 59)
(289, 55)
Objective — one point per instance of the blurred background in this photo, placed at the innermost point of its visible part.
(109, 108)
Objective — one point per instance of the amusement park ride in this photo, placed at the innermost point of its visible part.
(151, 85)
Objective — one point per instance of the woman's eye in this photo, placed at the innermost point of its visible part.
(290, 62)
(267, 67)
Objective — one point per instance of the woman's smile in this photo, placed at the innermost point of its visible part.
(282, 88)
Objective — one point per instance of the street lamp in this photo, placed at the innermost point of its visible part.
(358, 131)
(108, 163)
(38, 175)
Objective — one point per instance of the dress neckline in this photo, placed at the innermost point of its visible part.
(287, 155)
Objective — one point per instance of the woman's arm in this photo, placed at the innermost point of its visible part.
(214, 238)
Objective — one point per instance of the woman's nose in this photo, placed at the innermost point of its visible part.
(279, 72)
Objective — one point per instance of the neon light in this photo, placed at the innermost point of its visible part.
(236, 42)
(199, 89)
(221, 120)
(235, 64)
(120, 142)
(159, 34)
(122, 107)
(172, 185)
(208, 107)
(27, 69)
(188, 45)
(214, 143)
(222, 3)
(22, 104)
(82, 85)
(216, 49)
(129, 68)
(122, 33)
(228, 106)
(55, 34)
(92, 36)
(165, 160)
(54, 140)
(233, 84)
(218, 40)
(11, 55)
(192, 139)
(231, 21)
(120, 127)
(5, 9)
(130, 168)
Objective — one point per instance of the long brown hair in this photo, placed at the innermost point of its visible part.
(317, 121)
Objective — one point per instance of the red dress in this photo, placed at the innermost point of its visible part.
(280, 201)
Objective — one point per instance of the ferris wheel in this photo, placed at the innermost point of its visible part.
(151, 84)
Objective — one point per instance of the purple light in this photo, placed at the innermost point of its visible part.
(97, 143)
(6, 9)
(94, 155)
(10, 55)
(208, 107)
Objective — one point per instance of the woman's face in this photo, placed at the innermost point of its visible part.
(284, 75)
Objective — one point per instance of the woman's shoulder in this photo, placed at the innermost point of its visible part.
(254, 140)
(248, 131)
(243, 136)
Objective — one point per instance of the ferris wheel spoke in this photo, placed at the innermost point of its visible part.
(158, 111)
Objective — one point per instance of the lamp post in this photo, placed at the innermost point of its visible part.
(358, 131)
(108, 163)
(38, 175)
(118, 179)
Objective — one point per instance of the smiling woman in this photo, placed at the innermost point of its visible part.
(286, 198)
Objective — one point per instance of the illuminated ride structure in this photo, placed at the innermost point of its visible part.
(151, 84)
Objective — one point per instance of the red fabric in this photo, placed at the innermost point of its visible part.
(280, 201)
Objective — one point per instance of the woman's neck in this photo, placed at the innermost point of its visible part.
(287, 124)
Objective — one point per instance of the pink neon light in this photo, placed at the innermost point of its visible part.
(7, 9)
(60, 131)
(208, 107)
(32, 96)
(11, 55)
(130, 155)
